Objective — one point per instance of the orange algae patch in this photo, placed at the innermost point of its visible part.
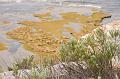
(43, 16)
(100, 15)
(37, 41)
(6, 23)
(89, 22)
(44, 37)
(70, 15)
(56, 27)
(2, 46)
(29, 23)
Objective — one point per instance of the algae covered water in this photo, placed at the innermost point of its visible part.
(12, 13)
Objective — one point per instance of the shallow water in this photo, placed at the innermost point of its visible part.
(14, 12)
(111, 6)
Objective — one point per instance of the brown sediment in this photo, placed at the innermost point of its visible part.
(45, 37)
(2, 46)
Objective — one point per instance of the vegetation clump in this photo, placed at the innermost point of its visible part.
(26, 63)
(95, 52)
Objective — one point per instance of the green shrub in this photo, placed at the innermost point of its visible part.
(26, 63)
(96, 50)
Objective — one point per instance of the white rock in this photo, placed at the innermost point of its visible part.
(10, 75)
(7, 75)
(113, 25)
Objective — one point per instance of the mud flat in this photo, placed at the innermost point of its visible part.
(44, 37)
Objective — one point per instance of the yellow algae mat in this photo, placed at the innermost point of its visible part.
(2, 46)
(5, 23)
(44, 37)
